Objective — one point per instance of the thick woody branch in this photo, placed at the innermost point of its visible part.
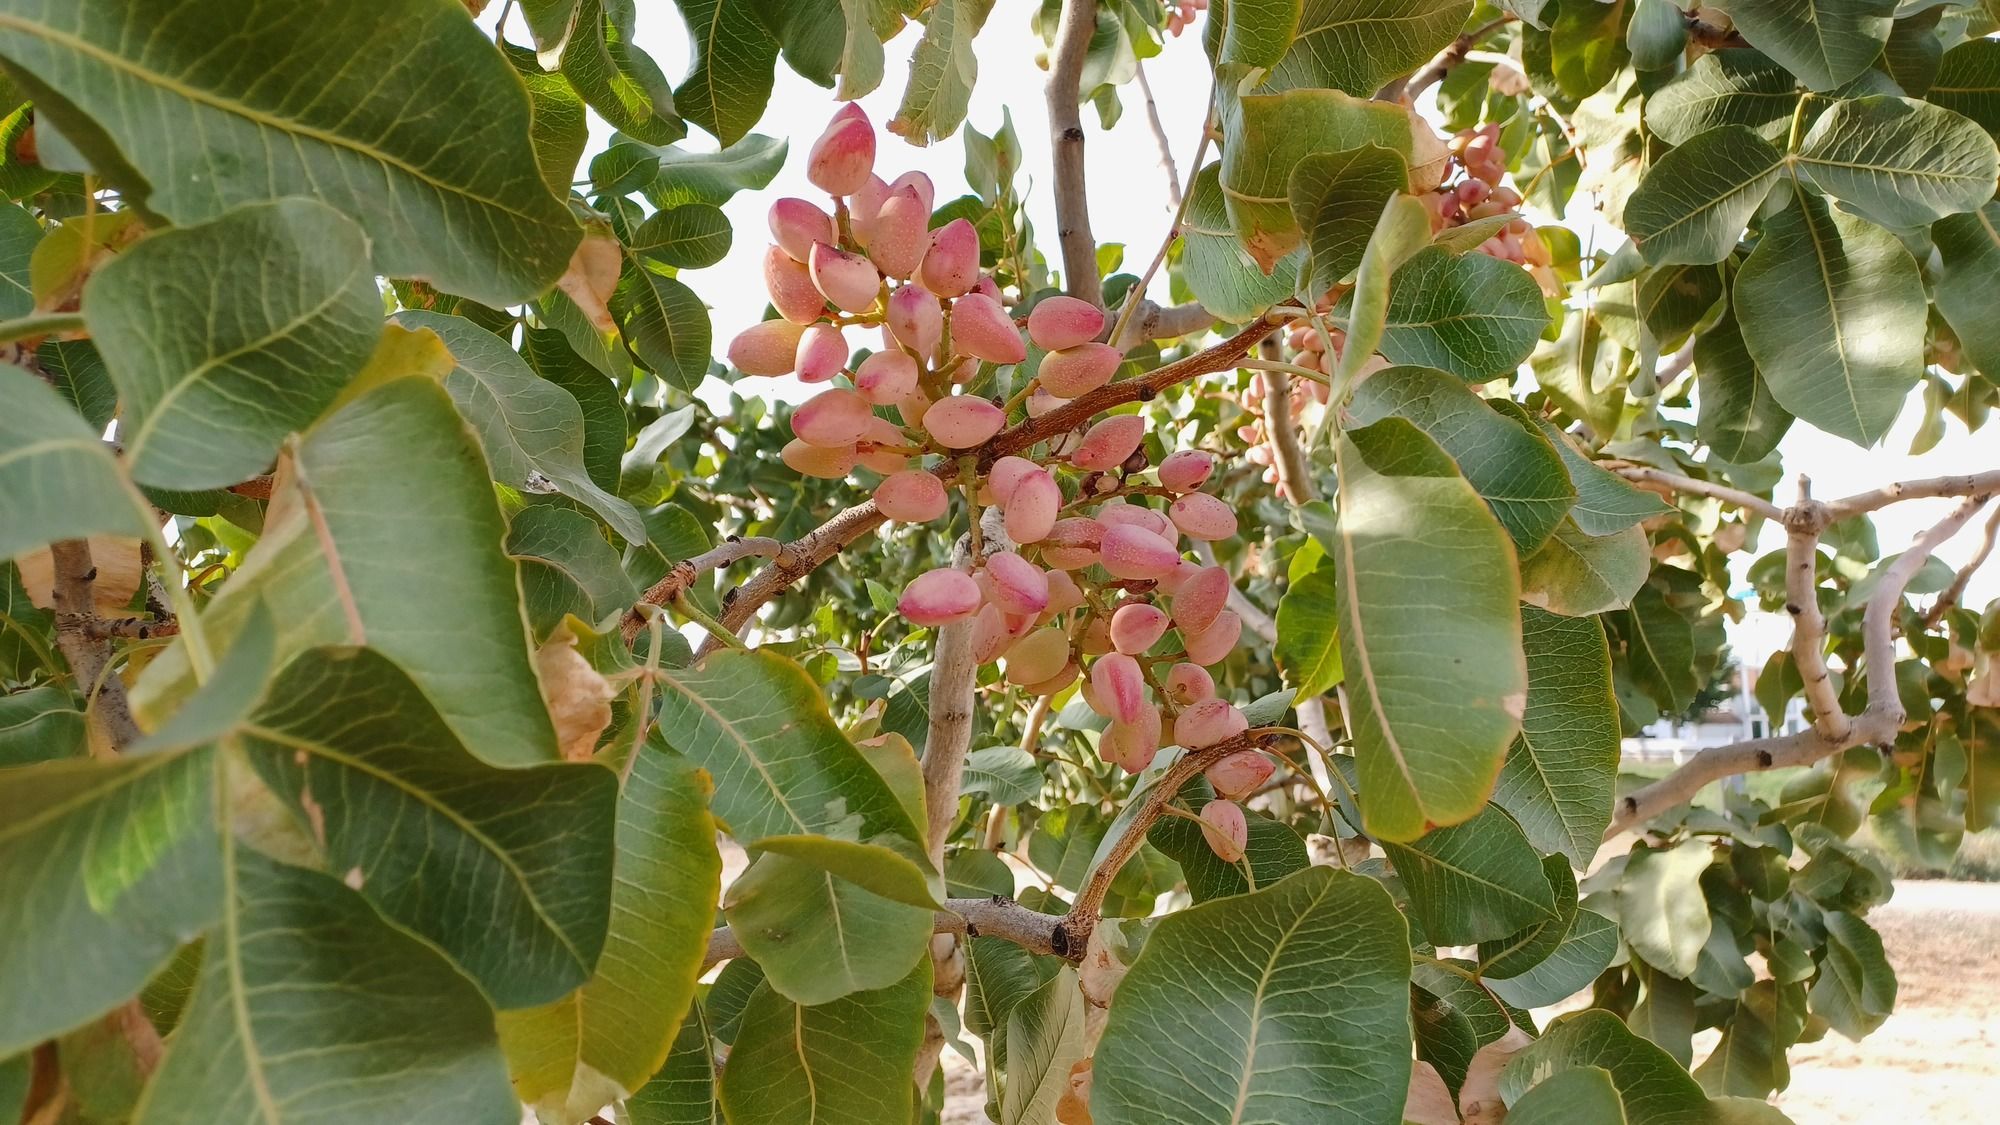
(1963, 484)
(1079, 246)
(953, 676)
(88, 653)
(1154, 321)
(681, 576)
(1808, 624)
(968, 917)
(1876, 725)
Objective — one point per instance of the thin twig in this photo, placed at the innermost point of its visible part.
(1441, 64)
(681, 576)
(1155, 325)
(1679, 483)
(1956, 590)
(1160, 136)
(1031, 737)
(1964, 484)
(1079, 248)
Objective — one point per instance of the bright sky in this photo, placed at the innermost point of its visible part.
(1131, 206)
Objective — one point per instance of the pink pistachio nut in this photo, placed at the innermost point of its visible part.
(939, 597)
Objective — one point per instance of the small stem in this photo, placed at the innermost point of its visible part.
(1302, 372)
(685, 606)
(39, 324)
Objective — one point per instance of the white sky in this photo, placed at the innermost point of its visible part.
(1131, 206)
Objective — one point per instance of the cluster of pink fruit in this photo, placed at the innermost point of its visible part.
(1479, 194)
(1054, 586)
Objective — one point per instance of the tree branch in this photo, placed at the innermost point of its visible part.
(1803, 526)
(1154, 321)
(997, 916)
(1159, 136)
(1956, 590)
(953, 676)
(1079, 247)
(1736, 496)
(682, 575)
(1877, 724)
(1964, 484)
(89, 655)
(1441, 64)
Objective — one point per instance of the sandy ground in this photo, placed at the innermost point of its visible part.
(1936, 1060)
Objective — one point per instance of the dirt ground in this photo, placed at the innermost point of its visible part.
(1936, 1060)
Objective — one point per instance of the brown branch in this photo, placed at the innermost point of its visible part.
(1064, 93)
(1445, 61)
(1956, 590)
(1803, 526)
(89, 656)
(682, 575)
(954, 673)
(997, 916)
(1877, 724)
(135, 628)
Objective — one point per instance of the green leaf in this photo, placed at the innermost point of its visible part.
(820, 937)
(225, 336)
(1660, 905)
(687, 237)
(566, 568)
(561, 127)
(1969, 247)
(1004, 775)
(1334, 198)
(1899, 162)
(665, 324)
(1472, 315)
(1577, 575)
(1586, 950)
(20, 233)
(1559, 774)
(1727, 87)
(1413, 608)
(713, 177)
(1258, 32)
(1824, 42)
(57, 478)
(1473, 882)
(319, 108)
(1968, 82)
(618, 80)
(1229, 1015)
(1308, 646)
(1045, 1037)
(1400, 231)
(683, 1091)
(1605, 501)
(1832, 309)
(1672, 301)
(1659, 648)
(1739, 419)
(598, 397)
(411, 553)
(1763, 1024)
(1358, 45)
(40, 724)
(1516, 471)
(311, 1008)
(619, 1027)
(1856, 989)
(942, 71)
(847, 1062)
(1587, 46)
(1581, 1094)
(1655, 1089)
(78, 373)
(526, 424)
(1693, 203)
(733, 68)
(1218, 270)
(888, 869)
(1274, 850)
(1454, 1016)
(1527, 948)
(106, 868)
(1277, 131)
(402, 810)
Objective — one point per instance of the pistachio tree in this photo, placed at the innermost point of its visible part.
(1190, 692)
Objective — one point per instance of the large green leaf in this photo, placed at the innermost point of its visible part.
(1856, 989)
(688, 176)
(1968, 82)
(20, 233)
(606, 1039)
(1585, 951)
(1764, 1023)
(1832, 309)
(682, 1092)
(392, 536)
(1660, 905)
(1473, 315)
(1605, 501)
(1256, 32)
(733, 68)
(1516, 471)
(942, 70)
(1335, 198)
(1274, 850)
(1899, 162)
(1656, 1089)
(106, 867)
(1968, 245)
(1427, 595)
(566, 568)
(1560, 772)
(1824, 42)
(561, 127)
(320, 108)
(842, 1063)
(1728, 87)
(1694, 202)
(225, 336)
(407, 812)
(311, 1008)
(40, 724)
(665, 324)
(1739, 418)
(1308, 645)
(1530, 946)
(57, 478)
(1217, 269)
(1230, 1014)
(526, 424)
(1585, 1093)
(1357, 45)
(1273, 133)
(1577, 575)
(820, 937)
(620, 81)
(1473, 882)
(1454, 1016)
(1045, 1037)
(686, 237)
